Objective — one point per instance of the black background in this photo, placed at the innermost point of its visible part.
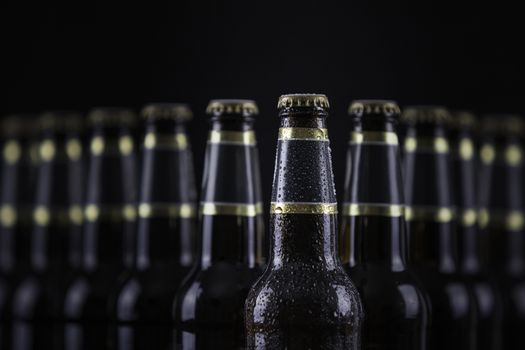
(77, 55)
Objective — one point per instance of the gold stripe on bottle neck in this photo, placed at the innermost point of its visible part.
(374, 137)
(123, 145)
(43, 216)
(434, 144)
(8, 215)
(303, 208)
(244, 138)
(435, 214)
(305, 134)
(466, 149)
(47, 150)
(469, 217)
(237, 209)
(513, 155)
(511, 221)
(93, 212)
(373, 209)
(487, 153)
(177, 141)
(12, 151)
(166, 210)
(74, 149)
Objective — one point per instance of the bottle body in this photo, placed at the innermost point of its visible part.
(304, 298)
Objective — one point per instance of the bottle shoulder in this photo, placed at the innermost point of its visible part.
(322, 294)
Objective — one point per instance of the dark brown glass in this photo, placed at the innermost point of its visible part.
(501, 186)
(165, 240)
(471, 241)
(36, 302)
(433, 242)
(304, 300)
(208, 308)
(375, 245)
(16, 197)
(107, 237)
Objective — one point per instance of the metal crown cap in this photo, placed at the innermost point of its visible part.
(232, 106)
(173, 111)
(303, 100)
(385, 108)
(463, 119)
(112, 116)
(426, 115)
(502, 125)
(62, 121)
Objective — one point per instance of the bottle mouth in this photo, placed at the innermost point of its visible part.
(167, 111)
(382, 109)
(307, 100)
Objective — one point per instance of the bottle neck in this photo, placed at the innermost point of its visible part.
(166, 214)
(430, 213)
(57, 213)
(16, 195)
(464, 179)
(374, 229)
(231, 195)
(304, 207)
(502, 204)
(109, 211)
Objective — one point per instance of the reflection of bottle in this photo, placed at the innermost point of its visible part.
(209, 306)
(165, 237)
(431, 227)
(375, 247)
(109, 220)
(304, 300)
(502, 220)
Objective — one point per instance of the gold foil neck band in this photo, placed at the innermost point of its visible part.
(303, 208)
(373, 209)
(436, 144)
(306, 134)
(435, 214)
(469, 217)
(236, 209)
(511, 221)
(47, 150)
(374, 137)
(44, 216)
(166, 210)
(8, 215)
(12, 151)
(123, 145)
(511, 155)
(93, 212)
(244, 138)
(74, 149)
(177, 141)
(466, 149)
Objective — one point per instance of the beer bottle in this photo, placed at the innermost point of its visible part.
(305, 299)
(166, 229)
(109, 218)
(431, 227)
(501, 217)
(374, 228)
(472, 262)
(36, 301)
(208, 308)
(16, 193)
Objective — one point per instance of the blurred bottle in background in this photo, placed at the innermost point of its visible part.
(108, 231)
(142, 305)
(208, 309)
(374, 232)
(431, 219)
(501, 218)
(472, 243)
